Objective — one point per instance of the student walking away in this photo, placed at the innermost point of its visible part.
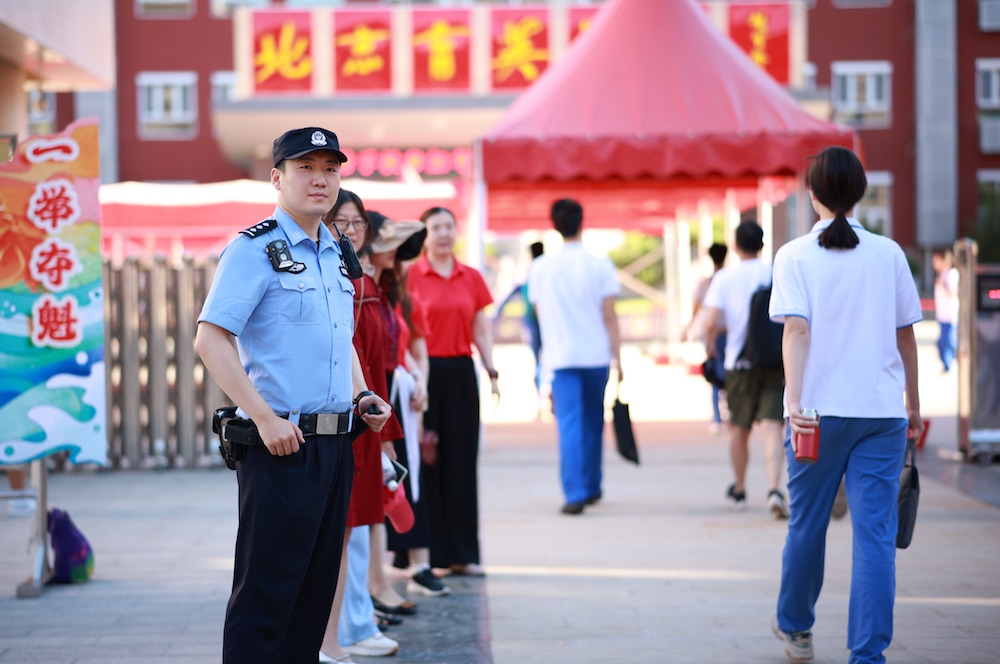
(453, 296)
(852, 359)
(574, 294)
(696, 330)
(945, 305)
(282, 290)
(754, 379)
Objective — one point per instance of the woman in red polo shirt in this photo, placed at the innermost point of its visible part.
(453, 297)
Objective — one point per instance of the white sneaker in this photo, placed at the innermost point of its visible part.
(326, 659)
(776, 503)
(378, 645)
(798, 645)
(22, 506)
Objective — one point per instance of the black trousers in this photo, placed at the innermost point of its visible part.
(293, 513)
(450, 487)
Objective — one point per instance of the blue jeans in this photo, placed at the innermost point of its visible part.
(720, 352)
(356, 622)
(946, 345)
(868, 453)
(578, 398)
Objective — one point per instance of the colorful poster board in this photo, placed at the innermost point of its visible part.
(52, 369)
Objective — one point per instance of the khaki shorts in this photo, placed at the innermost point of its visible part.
(753, 395)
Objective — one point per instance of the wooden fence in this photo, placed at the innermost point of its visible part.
(160, 396)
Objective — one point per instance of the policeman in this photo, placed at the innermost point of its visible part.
(282, 289)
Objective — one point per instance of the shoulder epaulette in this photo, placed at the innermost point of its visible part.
(262, 228)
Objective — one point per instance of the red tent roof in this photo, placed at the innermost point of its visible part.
(653, 91)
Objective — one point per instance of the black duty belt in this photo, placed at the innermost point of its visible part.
(326, 424)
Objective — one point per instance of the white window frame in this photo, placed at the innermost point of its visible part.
(155, 120)
(988, 100)
(851, 111)
(223, 86)
(989, 15)
(986, 176)
(164, 8)
(878, 179)
(224, 8)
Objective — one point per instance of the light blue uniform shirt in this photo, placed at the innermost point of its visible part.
(293, 331)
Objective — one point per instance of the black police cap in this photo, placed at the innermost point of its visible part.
(297, 143)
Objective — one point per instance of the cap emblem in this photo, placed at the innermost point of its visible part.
(318, 138)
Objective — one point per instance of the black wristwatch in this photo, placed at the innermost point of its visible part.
(492, 373)
(361, 395)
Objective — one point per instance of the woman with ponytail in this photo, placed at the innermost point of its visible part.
(848, 303)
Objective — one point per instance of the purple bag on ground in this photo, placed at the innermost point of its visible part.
(73, 557)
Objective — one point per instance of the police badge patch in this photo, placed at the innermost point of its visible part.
(318, 138)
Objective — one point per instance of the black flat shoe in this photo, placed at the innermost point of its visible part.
(403, 609)
(593, 499)
(387, 619)
(573, 508)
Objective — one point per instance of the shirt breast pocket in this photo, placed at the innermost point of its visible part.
(347, 304)
(300, 300)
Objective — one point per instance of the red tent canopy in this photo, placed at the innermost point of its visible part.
(145, 218)
(651, 93)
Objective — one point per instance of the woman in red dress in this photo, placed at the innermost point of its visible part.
(366, 508)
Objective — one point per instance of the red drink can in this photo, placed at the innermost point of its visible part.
(807, 444)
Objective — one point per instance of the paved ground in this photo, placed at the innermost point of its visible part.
(660, 571)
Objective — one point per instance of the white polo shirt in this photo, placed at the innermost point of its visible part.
(854, 300)
(568, 290)
(730, 291)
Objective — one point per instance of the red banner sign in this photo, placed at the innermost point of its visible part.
(282, 52)
(391, 162)
(520, 49)
(762, 32)
(362, 43)
(441, 50)
(579, 20)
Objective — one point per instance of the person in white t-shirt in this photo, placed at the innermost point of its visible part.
(753, 394)
(848, 303)
(574, 295)
(945, 305)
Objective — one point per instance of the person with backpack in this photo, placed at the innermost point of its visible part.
(754, 379)
(848, 303)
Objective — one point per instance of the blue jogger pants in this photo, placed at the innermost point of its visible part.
(868, 453)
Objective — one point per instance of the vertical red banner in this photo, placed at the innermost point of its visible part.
(520, 49)
(441, 50)
(579, 20)
(282, 52)
(762, 32)
(362, 47)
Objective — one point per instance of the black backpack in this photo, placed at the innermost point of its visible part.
(762, 349)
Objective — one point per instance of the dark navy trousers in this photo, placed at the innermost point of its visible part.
(293, 513)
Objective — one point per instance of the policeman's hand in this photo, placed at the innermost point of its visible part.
(374, 422)
(280, 436)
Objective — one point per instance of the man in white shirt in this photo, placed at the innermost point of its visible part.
(753, 394)
(574, 294)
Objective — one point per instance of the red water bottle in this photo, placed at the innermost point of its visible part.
(807, 444)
